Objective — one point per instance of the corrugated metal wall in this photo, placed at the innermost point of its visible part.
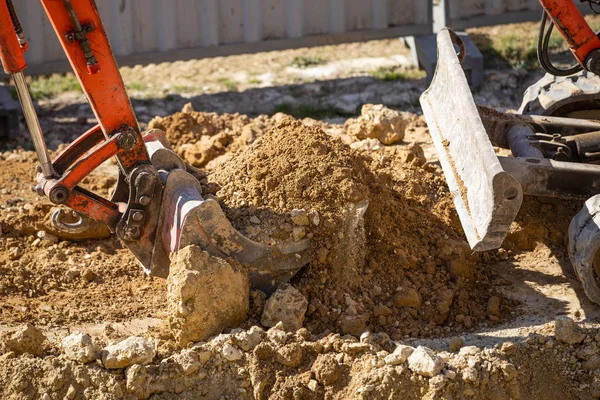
(145, 31)
(462, 14)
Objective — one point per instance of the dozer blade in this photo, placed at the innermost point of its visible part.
(486, 197)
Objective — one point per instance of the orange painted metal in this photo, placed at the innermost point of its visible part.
(87, 164)
(104, 88)
(94, 206)
(11, 53)
(567, 18)
(77, 149)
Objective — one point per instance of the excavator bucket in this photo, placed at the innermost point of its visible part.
(187, 218)
(487, 198)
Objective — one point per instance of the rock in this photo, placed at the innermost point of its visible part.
(254, 219)
(287, 305)
(407, 297)
(43, 235)
(277, 334)
(248, 340)
(300, 217)
(425, 362)
(205, 295)
(567, 331)
(298, 233)
(445, 301)
(493, 306)
(25, 339)
(354, 325)
(379, 122)
(230, 353)
(456, 344)
(314, 217)
(470, 374)
(508, 348)
(188, 108)
(88, 275)
(133, 350)
(327, 370)
(400, 355)
(80, 347)
(136, 380)
(289, 355)
(593, 363)
(355, 348)
(188, 360)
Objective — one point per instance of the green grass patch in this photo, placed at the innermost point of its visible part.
(390, 74)
(307, 61)
(516, 47)
(137, 85)
(46, 87)
(254, 81)
(229, 84)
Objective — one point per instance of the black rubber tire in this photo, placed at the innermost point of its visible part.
(575, 96)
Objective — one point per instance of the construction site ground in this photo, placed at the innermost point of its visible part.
(278, 132)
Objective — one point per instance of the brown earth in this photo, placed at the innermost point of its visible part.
(400, 269)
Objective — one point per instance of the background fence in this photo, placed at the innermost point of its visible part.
(463, 14)
(151, 31)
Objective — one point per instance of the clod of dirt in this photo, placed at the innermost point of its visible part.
(381, 123)
(425, 362)
(566, 331)
(327, 369)
(80, 347)
(205, 294)
(133, 350)
(287, 305)
(24, 339)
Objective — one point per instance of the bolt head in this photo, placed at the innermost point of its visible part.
(144, 200)
(137, 216)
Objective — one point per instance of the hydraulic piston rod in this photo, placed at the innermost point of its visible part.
(33, 124)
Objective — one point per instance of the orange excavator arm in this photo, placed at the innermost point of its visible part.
(157, 206)
(582, 40)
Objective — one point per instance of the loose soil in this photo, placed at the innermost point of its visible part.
(390, 259)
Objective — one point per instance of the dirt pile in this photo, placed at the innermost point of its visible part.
(389, 250)
(205, 139)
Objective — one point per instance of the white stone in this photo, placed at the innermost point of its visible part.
(230, 353)
(425, 362)
(43, 235)
(133, 350)
(248, 340)
(80, 347)
(400, 355)
(287, 305)
(470, 374)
